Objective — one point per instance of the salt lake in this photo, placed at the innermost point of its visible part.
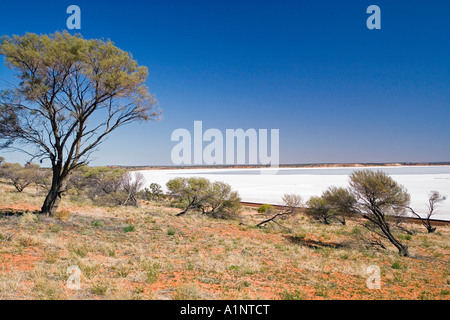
(268, 185)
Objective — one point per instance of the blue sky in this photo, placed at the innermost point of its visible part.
(337, 91)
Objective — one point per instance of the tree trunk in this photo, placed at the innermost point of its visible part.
(268, 220)
(402, 249)
(53, 198)
(384, 226)
(182, 212)
(431, 229)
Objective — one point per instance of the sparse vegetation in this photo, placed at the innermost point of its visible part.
(146, 253)
(376, 197)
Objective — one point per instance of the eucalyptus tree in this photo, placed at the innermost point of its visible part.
(378, 198)
(334, 204)
(72, 94)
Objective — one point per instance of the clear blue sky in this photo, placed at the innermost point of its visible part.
(337, 91)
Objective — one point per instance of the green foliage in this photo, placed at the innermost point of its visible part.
(334, 204)
(129, 228)
(153, 193)
(264, 208)
(318, 208)
(379, 197)
(72, 94)
(396, 265)
(153, 271)
(100, 288)
(292, 295)
(377, 189)
(221, 201)
(96, 60)
(356, 231)
(22, 177)
(216, 199)
(405, 236)
(8, 121)
(98, 224)
(107, 186)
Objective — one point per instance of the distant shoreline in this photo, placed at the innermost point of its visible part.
(307, 165)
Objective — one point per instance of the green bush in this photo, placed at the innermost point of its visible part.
(108, 186)
(129, 228)
(264, 208)
(396, 265)
(216, 199)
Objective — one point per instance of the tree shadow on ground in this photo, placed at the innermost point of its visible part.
(313, 243)
(13, 212)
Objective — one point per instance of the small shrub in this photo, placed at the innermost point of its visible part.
(294, 295)
(78, 249)
(123, 271)
(129, 228)
(46, 290)
(356, 231)
(405, 237)
(264, 208)
(111, 252)
(425, 295)
(100, 288)
(50, 256)
(27, 241)
(97, 224)
(153, 272)
(301, 235)
(170, 232)
(63, 215)
(89, 270)
(54, 228)
(426, 243)
(215, 199)
(188, 292)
